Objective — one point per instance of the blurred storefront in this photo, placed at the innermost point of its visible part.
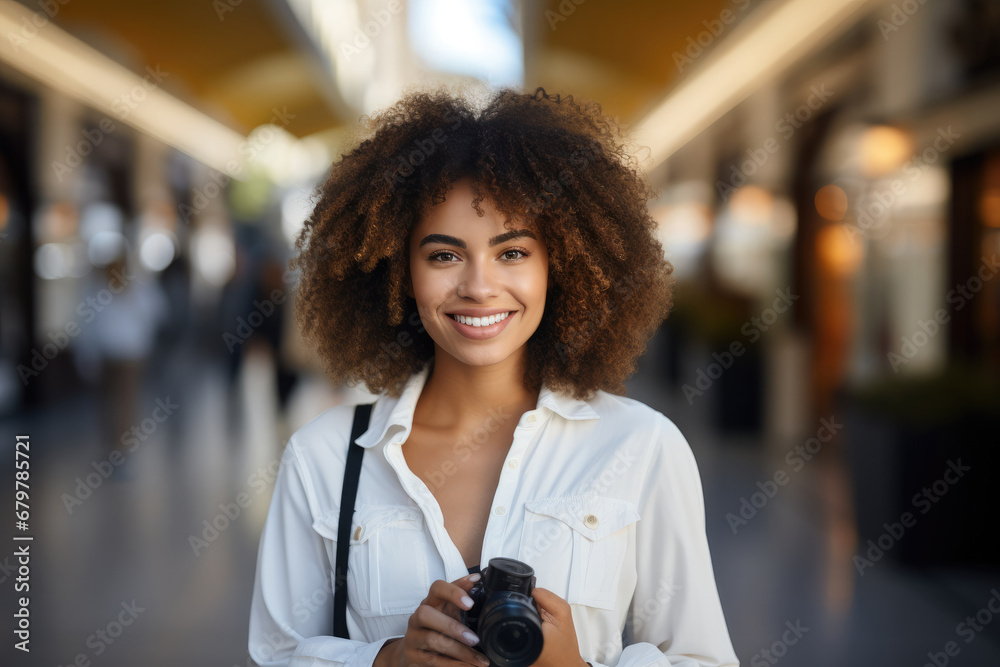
(837, 234)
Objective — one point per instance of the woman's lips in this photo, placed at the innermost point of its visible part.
(481, 333)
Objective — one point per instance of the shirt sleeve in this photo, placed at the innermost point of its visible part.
(676, 618)
(291, 615)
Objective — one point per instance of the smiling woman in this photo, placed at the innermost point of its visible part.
(494, 280)
(493, 275)
(548, 164)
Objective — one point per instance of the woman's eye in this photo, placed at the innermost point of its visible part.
(436, 255)
(524, 253)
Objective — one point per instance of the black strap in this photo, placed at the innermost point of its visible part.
(352, 472)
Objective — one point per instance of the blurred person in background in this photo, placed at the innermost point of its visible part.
(253, 313)
(124, 314)
(531, 213)
(272, 291)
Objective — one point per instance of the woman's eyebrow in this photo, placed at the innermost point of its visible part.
(496, 240)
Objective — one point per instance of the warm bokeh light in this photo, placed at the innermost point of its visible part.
(685, 222)
(831, 202)
(4, 211)
(55, 222)
(884, 149)
(751, 205)
(838, 252)
(989, 207)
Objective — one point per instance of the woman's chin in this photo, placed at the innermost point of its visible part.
(478, 358)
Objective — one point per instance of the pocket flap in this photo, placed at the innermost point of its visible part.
(594, 517)
(368, 520)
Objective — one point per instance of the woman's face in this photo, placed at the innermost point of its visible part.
(463, 264)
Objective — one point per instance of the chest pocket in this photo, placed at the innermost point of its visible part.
(577, 546)
(387, 570)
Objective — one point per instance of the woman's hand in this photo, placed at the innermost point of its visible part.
(561, 648)
(435, 635)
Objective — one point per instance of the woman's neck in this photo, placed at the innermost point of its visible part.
(457, 396)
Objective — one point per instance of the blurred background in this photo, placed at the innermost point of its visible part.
(829, 193)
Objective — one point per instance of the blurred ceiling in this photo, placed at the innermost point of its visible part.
(621, 53)
(237, 60)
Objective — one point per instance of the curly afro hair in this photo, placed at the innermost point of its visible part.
(549, 161)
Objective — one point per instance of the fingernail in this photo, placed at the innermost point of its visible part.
(484, 661)
(467, 601)
(471, 638)
(475, 577)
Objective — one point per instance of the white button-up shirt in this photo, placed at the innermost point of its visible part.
(602, 498)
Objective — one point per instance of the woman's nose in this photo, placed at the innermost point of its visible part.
(479, 281)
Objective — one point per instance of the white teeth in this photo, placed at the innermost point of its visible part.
(481, 321)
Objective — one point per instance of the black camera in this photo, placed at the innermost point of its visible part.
(504, 615)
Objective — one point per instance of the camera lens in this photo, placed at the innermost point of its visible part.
(510, 640)
(511, 630)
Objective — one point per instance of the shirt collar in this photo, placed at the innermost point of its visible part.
(392, 416)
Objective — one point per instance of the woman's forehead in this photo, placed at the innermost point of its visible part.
(492, 229)
(459, 210)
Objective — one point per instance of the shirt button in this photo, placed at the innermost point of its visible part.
(357, 533)
(590, 520)
(531, 419)
(500, 510)
(512, 463)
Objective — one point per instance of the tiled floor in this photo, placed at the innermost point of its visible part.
(125, 555)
